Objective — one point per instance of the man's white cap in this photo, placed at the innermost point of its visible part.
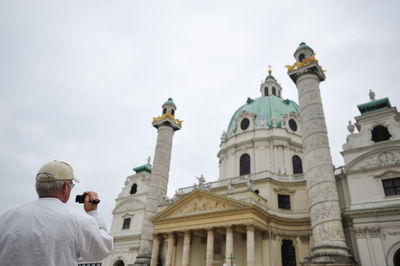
(56, 170)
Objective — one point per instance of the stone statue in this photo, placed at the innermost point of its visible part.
(350, 127)
(372, 95)
(202, 180)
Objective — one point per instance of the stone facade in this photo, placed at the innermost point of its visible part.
(372, 217)
(263, 210)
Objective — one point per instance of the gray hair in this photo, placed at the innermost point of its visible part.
(50, 188)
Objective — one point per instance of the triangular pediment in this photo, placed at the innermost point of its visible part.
(200, 202)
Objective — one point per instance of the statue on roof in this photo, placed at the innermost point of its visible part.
(372, 95)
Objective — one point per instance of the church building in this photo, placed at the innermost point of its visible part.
(278, 200)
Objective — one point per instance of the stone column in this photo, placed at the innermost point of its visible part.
(186, 249)
(299, 250)
(265, 249)
(229, 245)
(210, 247)
(250, 245)
(155, 251)
(166, 126)
(168, 260)
(327, 231)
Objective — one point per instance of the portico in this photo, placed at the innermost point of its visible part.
(207, 229)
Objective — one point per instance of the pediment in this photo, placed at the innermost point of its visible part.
(375, 158)
(200, 202)
(129, 204)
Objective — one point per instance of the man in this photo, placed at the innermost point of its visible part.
(47, 232)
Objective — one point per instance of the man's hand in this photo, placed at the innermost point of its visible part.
(91, 195)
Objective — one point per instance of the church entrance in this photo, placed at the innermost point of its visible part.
(288, 253)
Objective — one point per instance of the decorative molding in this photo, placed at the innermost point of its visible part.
(284, 190)
(372, 231)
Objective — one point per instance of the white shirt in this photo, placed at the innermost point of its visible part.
(46, 232)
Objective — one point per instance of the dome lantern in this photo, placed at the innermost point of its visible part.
(270, 86)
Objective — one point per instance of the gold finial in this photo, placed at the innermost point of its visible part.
(269, 69)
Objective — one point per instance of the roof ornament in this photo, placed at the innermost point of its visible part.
(148, 159)
(350, 127)
(372, 95)
(202, 180)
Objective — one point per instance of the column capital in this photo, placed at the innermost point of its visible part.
(229, 228)
(208, 229)
(250, 227)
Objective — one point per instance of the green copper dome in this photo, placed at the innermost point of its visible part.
(170, 102)
(266, 108)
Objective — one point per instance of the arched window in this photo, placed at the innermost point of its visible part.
(266, 91)
(380, 133)
(164, 111)
(133, 189)
(273, 91)
(297, 165)
(288, 253)
(396, 258)
(301, 57)
(172, 112)
(119, 263)
(244, 164)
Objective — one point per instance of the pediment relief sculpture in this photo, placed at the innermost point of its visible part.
(380, 159)
(200, 204)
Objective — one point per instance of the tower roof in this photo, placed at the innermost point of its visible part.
(170, 102)
(265, 108)
(374, 105)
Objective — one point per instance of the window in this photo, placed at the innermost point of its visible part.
(127, 223)
(380, 133)
(288, 253)
(257, 191)
(133, 189)
(164, 111)
(293, 125)
(244, 124)
(244, 164)
(396, 258)
(391, 186)
(284, 202)
(266, 91)
(119, 263)
(301, 57)
(273, 91)
(297, 165)
(172, 112)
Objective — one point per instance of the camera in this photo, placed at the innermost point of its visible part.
(81, 199)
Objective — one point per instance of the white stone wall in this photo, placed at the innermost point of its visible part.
(374, 227)
(270, 149)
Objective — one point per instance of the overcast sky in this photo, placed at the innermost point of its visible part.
(80, 81)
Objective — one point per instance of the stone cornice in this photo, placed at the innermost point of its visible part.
(389, 210)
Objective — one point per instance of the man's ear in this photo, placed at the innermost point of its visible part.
(65, 187)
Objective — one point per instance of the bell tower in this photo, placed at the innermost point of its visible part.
(166, 125)
(329, 241)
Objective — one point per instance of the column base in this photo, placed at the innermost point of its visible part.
(143, 260)
(328, 260)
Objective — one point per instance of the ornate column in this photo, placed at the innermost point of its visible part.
(166, 125)
(250, 245)
(229, 244)
(327, 231)
(155, 251)
(210, 247)
(168, 260)
(186, 249)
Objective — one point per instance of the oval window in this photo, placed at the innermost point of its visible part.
(292, 125)
(245, 124)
